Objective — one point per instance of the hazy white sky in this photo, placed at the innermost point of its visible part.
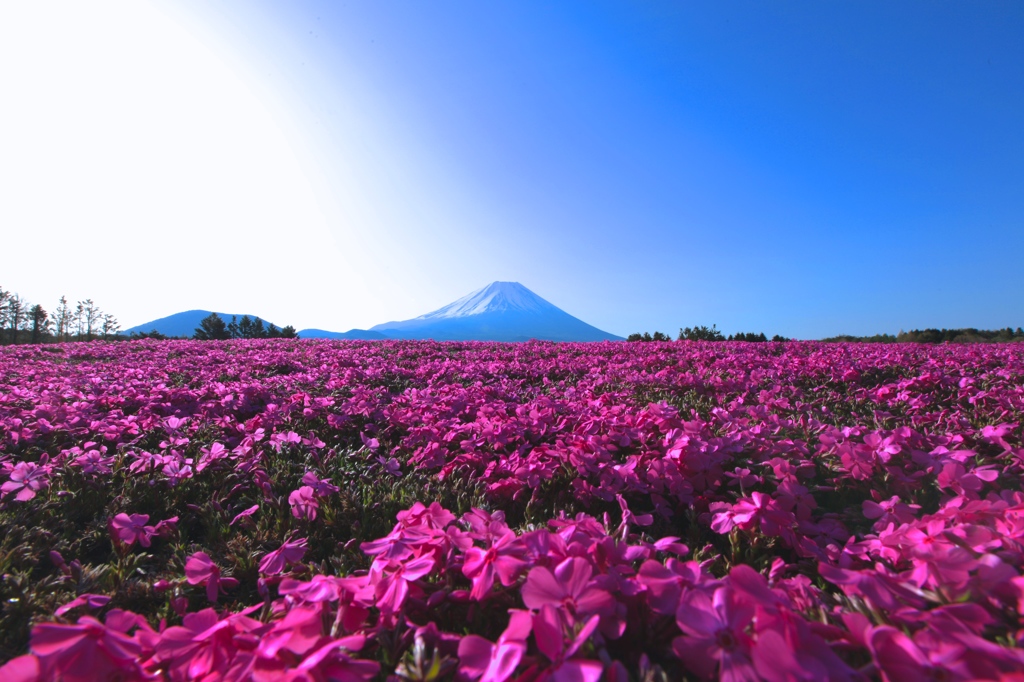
(143, 167)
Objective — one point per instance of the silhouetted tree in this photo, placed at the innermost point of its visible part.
(92, 315)
(245, 327)
(40, 322)
(701, 333)
(212, 328)
(15, 313)
(62, 320)
(289, 332)
(151, 334)
(110, 326)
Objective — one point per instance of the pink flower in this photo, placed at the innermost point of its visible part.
(890, 511)
(27, 478)
(997, 435)
(21, 669)
(88, 650)
(278, 440)
(322, 487)
(205, 644)
(330, 662)
(393, 578)
(550, 633)
(758, 511)
(128, 529)
(353, 596)
(298, 632)
(291, 552)
(955, 477)
(569, 588)
(208, 456)
(244, 514)
(304, 504)
(496, 662)
(504, 558)
(899, 658)
(93, 601)
(200, 570)
(715, 635)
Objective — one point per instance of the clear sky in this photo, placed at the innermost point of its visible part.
(802, 168)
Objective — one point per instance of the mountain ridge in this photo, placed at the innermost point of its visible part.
(499, 311)
(184, 323)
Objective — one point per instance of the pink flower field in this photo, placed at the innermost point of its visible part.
(303, 510)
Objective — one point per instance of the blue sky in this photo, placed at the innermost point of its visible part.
(806, 169)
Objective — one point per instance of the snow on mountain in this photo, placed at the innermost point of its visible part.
(495, 297)
(501, 311)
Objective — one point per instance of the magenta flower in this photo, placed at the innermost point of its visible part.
(760, 511)
(304, 504)
(899, 658)
(479, 658)
(330, 662)
(27, 479)
(549, 632)
(291, 552)
(504, 558)
(569, 588)
(205, 644)
(93, 463)
(322, 487)
(279, 440)
(21, 669)
(298, 632)
(208, 456)
(93, 601)
(86, 651)
(244, 514)
(129, 529)
(715, 635)
(200, 570)
(354, 596)
(393, 580)
(967, 483)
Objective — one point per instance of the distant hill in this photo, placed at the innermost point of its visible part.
(352, 334)
(501, 311)
(182, 324)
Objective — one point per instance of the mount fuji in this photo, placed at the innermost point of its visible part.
(501, 311)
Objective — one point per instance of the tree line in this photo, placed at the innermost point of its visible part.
(24, 322)
(704, 333)
(214, 328)
(967, 335)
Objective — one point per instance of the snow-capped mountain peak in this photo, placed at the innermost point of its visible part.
(494, 298)
(501, 311)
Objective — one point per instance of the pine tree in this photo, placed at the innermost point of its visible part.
(212, 328)
(245, 327)
(40, 322)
